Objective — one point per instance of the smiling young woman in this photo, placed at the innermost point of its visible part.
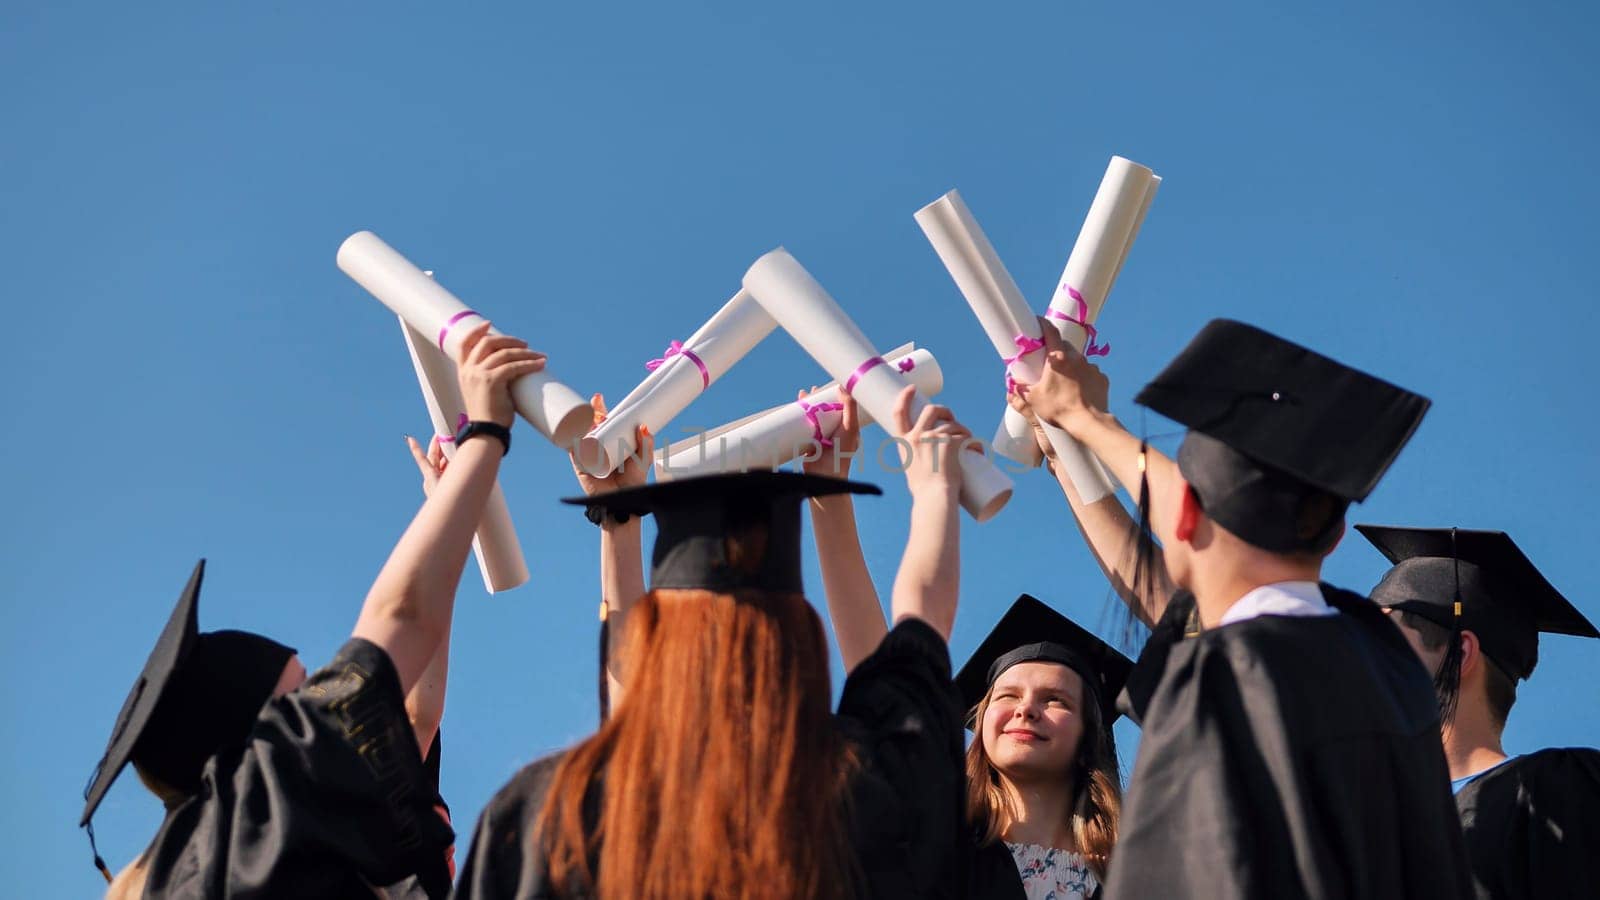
(1043, 783)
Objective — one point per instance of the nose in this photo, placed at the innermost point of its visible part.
(1025, 709)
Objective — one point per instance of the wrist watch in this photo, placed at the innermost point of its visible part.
(491, 429)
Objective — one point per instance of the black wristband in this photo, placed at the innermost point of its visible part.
(492, 429)
(599, 514)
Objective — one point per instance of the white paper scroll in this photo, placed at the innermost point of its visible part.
(1005, 317)
(549, 406)
(1108, 231)
(783, 433)
(495, 543)
(815, 321)
(719, 344)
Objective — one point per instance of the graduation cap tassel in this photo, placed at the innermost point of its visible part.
(99, 863)
(1447, 681)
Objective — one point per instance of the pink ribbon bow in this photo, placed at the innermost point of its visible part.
(1025, 345)
(812, 410)
(904, 365)
(676, 348)
(450, 438)
(1081, 320)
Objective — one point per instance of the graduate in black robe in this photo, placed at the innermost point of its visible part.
(1290, 742)
(278, 788)
(897, 794)
(1473, 605)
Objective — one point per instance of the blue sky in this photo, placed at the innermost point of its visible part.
(1407, 187)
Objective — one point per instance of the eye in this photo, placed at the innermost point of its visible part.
(1004, 695)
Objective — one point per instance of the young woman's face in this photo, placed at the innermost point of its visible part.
(294, 675)
(1034, 722)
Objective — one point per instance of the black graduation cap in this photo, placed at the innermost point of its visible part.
(195, 692)
(1270, 422)
(1503, 598)
(694, 516)
(1030, 631)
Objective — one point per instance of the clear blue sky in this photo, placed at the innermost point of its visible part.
(1408, 187)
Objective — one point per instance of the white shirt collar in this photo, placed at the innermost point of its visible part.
(1284, 598)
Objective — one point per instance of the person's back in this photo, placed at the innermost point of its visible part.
(1326, 799)
(1290, 743)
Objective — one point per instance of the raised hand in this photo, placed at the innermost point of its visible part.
(487, 364)
(834, 460)
(936, 439)
(635, 469)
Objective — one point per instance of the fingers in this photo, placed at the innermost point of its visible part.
(850, 418)
(512, 354)
(435, 453)
(470, 340)
(416, 454)
(902, 408)
(1052, 337)
(511, 371)
(487, 347)
(932, 414)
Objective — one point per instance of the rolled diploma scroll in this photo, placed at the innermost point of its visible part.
(1103, 243)
(720, 343)
(778, 435)
(549, 406)
(816, 322)
(495, 543)
(1004, 314)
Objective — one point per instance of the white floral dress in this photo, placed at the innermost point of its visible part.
(1050, 873)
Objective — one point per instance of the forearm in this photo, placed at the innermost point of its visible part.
(1111, 535)
(425, 703)
(621, 585)
(928, 583)
(1119, 451)
(407, 610)
(853, 605)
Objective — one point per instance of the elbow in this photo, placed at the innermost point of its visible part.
(412, 611)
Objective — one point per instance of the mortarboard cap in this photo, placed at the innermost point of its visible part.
(1504, 599)
(695, 516)
(197, 693)
(1030, 631)
(1272, 423)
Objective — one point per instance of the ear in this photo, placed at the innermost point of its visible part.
(1471, 655)
(1189, 513)
(1343, 530)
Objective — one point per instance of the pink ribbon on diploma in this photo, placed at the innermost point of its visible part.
(452, 323)
(1025, 345)
(904, 365)
(676, 348)
(811, 410)
(450, 438)
(1081, 320)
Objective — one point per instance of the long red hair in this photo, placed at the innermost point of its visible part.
(723, 773)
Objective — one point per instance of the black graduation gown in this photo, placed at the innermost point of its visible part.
(1286, 757)
(1532, 826)
(900, 710)
(327, 798)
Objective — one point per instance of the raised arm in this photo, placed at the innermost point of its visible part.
(621, 547)
(408, 609)
(928, 584)
(1108, 531)
(1072, 395)
(853, 604)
